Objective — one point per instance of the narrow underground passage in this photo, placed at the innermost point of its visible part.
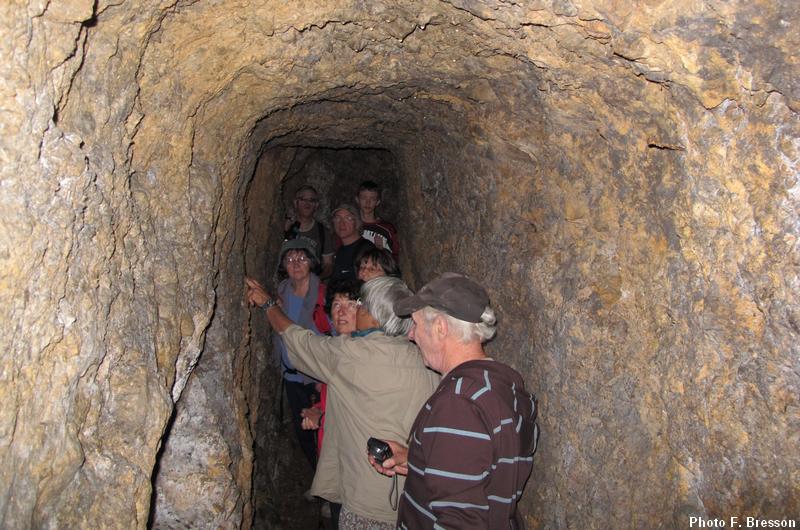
(449, 185)
(621, 176)
(282, 474)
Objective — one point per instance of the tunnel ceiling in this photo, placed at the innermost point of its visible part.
(225, 67)
(388, 74)
(360, 75)
(622, 176)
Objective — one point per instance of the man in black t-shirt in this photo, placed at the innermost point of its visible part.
(346, 224)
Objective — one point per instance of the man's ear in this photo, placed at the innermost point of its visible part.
(440, 327)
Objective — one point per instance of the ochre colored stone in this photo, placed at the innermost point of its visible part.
(622, 176)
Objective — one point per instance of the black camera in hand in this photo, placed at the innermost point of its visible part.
(379, 450)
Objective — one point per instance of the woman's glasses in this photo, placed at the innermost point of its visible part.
(349, 305)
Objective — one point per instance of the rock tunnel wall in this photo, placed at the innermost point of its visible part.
(623, 177)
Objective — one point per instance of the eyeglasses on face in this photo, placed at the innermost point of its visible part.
(296, 259)
(348, 304)
(344, 218)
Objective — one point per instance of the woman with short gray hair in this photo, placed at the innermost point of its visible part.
(378, 297)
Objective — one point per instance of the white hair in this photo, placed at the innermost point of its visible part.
(464, 331)
(378, 297)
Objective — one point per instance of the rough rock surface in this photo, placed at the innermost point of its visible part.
(623, 177)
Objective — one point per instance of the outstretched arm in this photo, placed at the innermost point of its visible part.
(257, 295)
(309, 353)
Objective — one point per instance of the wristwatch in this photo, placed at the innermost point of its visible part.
(269, 303)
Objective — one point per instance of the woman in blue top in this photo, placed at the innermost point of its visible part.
(302, 296)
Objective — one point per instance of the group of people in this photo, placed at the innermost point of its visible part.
(407, 369)
(357, 228)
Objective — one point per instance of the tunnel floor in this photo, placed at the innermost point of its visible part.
(289, 509)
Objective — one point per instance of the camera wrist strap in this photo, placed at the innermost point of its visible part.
(394, 493)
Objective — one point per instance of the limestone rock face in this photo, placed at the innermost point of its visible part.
(622, 176)
(195, 479)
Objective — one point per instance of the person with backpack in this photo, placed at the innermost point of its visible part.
(304, 225)
(302, 295)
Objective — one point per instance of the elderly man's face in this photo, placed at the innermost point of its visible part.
(344, 224)
(422, 334)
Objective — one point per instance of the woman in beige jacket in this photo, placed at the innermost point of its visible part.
(377, 383)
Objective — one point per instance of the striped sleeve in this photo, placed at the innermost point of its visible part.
(458, 456)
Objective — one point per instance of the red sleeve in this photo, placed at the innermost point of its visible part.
(395, 241)
(320, 318)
